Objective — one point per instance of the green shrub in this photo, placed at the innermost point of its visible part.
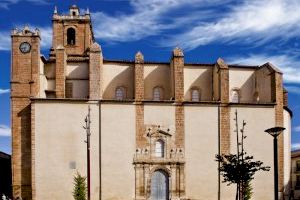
(79, 192)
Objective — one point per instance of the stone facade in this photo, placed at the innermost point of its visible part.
(149, 119)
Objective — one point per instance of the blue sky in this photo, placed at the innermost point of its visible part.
(241, 32)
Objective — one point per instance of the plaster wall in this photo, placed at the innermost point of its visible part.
(258, 144)
(117, 151)
(60, 150)
(43, 86)
(243, 80)
(77, 70)
(200, 78)
(51, 84)
(201, 146)
(49, 70)
(263, 80)
(43, 81)
(80, 88)
(216, 84)
(157, 75)
(160, 114)
(115, 75)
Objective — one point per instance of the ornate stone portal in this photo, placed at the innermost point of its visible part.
(159, 154)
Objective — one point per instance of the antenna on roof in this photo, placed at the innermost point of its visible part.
(55, 10)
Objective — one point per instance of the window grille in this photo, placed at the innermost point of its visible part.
(120, 93)
(159, 149)
(157, 94)
(195, 95)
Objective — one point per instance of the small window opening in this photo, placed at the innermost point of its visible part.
(71, 36)
(73, 13)
(195, 95)
(159, 148)
(235, 96)
(120, 93)
(157, 96)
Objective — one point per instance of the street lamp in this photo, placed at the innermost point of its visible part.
(87, 127)
(275, 131)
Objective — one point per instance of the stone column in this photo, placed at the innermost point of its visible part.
(139, 181)
(139, 77)
(147, 181)
(224, 108)
(141, 141)
(95, 65)
(181, 180)
(60, 71)
(177, 65)
(173, 177)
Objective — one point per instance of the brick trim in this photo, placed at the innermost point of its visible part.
(279, 121)
(177, 66)
(139, 77)
(139, 125)
(95, 67)
(223, 82)
(179, 126)
(60, 72)
(21, 148)
(224, 129)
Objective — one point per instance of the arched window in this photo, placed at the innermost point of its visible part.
(195, 95)
(157, 94)
(235, 98)
(71, 36)
(159, 148)
(120, 93)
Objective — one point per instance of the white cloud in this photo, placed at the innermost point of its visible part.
(4, 91)
(148, 18)
(252, 22)
(288, 64)
(6, 3)
(294, 90)
(5, 130)
(5, 41)
(297, 129)
(295, 146)
(46, 38)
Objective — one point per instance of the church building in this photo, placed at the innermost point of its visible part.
(156, 127)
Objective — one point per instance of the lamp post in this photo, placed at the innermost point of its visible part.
(275, 132)
(88, 134)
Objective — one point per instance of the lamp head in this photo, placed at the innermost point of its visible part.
(275, 131)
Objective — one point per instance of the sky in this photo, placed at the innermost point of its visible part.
(250, 32)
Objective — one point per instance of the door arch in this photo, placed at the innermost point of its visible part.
(159, 186)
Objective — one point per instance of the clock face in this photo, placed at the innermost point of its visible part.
(25, 47)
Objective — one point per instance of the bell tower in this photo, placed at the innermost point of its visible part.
(25, 72)
(72, 31)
